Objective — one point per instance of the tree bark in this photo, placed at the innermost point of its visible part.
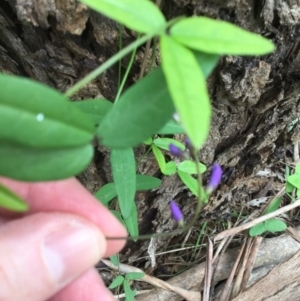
(255, 99)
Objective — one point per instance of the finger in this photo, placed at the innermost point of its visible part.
(55, 249)
(89, 287)
(71, 197)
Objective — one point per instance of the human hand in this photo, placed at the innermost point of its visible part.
(48, 252)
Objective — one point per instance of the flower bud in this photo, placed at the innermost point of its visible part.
(215, 178)
(176, 212)
(175, 150)
(187, 143)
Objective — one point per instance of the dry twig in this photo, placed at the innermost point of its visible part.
(226, 291)
(124, 269)
(258, 220)
(272, 251)
(208, 271)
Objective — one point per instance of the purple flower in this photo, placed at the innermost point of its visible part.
(215, 178)
(175, 150)
(187, 142)
(176, 212)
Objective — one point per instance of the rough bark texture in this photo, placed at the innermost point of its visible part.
(254, 100)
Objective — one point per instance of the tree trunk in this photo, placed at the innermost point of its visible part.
(255, 99)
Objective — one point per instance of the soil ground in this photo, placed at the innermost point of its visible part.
(255, 100)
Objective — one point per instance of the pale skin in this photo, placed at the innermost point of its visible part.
(28, 241)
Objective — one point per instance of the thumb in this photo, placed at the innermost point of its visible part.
(42, 253)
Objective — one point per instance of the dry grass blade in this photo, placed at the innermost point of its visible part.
(143, 67)
(272, 251)
(294, 233)
(226, 291)
(281, 284)
(222, 246)
(296, 152)
(250, 262)
(244, 271)
(241, 270)
(147, 49)
(258, 220)
(208, 271)
(120, 296)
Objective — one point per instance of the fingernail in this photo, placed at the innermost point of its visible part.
(71, 251)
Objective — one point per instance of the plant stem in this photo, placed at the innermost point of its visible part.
(120, 47)
(126, 73)
(118, 56)
(178, 231)
(109, 63)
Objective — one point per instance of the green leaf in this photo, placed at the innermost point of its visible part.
(95, 109)
(170, 168)
(287, 172)
(189, 167)
(134, 276)
(143, 182)
(32, 114)
(129, 293)
(294, 180)
(289, 187)
(219, 37)
(118, 217)
(123, 170)
(115, 259)
(274, 205)
(148, 141)
(159, 157)
(275, 225)
(142, 16)
(192, 185)
(189, 182)
(171, 127)
(106, 193)
(34, 164)
(140, 112)
(165, 142)
(11, 201)
(188, 89)
(257, 229)
(116, 282)
(131, 223)
(206, 61)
